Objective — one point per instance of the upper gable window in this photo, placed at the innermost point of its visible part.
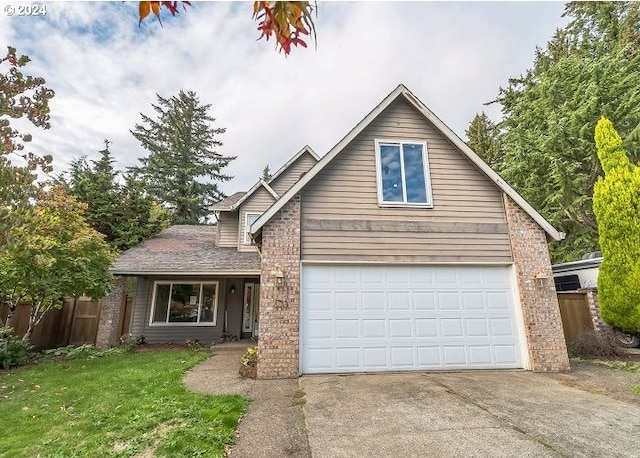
(403, 173)
(249, 219)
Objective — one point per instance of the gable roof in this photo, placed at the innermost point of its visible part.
(402, 91)
(233, 202)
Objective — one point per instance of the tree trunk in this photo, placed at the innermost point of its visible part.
(34, 318)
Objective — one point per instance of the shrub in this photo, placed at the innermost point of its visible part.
(13, 351)
(616, 200)
(591, 344)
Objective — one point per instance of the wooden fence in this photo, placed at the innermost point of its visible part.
(69, 325)
(575, 313)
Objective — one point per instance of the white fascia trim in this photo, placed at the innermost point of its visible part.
(305, 149)
(221, 273)
(446, 131)
(269, 189)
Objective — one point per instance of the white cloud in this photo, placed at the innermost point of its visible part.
(105, 70)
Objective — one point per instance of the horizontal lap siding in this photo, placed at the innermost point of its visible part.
(176, 334)
(347, 190)
(228, 229)
(292, 174)
(257, 203)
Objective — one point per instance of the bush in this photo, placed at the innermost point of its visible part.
(616, 200)
(591, 344)
(13, 351)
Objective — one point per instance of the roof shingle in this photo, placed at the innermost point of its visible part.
(185, 249)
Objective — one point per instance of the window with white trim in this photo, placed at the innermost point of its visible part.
(186, 303)
(403, 173)
(249, 219)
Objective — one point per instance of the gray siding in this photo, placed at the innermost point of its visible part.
(292, 174)
(228, 229)
(173, 333)
(341, 219)
(257, 203)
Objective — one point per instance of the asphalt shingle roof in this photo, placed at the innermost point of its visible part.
(228, 202)
(184, 249)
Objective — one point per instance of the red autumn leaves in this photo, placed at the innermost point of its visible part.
(286, 22)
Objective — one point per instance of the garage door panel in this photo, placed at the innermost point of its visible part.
(480, 355)
(372, 300)
(318, 300)
(473, 300)
(375, 358)
(345, 300)
(424, 300)
(412, 318)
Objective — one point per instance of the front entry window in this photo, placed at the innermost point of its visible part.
(185, 303)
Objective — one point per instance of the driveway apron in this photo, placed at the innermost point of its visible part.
(471, 414)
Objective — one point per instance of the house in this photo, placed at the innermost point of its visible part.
(399, 250)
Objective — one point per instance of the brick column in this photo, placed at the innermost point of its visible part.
(540, 310)
(279, 316)
(110, 308)
(599, 326)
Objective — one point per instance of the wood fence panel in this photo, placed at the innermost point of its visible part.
(576, 317)
(84, 326)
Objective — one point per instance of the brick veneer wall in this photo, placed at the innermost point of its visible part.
(540, 310)
(279, 316)
(110, 309)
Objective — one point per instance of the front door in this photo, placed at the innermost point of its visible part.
(250, 308)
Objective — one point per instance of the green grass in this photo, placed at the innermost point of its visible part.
(636, 389)
(120, 405)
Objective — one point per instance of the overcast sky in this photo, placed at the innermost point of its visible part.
(106, 70)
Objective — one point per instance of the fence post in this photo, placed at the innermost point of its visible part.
(599, 326)
(109, 321)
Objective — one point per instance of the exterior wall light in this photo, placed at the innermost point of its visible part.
(540, 278)
(279, 279)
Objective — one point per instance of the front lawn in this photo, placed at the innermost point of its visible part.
(119, 405)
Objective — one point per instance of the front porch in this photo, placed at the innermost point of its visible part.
(186, 288)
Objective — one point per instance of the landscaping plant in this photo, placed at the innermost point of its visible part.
(616, 203)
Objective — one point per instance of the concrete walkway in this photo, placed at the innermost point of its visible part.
(273, 426)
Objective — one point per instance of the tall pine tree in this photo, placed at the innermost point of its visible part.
(183, 168)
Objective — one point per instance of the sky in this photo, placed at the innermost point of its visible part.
(106, 71)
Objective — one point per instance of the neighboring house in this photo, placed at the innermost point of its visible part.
(398, 250)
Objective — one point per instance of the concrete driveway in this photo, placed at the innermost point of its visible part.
(470, 414)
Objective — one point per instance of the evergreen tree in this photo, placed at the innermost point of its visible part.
(125, 214)
(483, 138)
(616, 202)
(96, 186)
(266, 174)
(183, 168)
(590, 68)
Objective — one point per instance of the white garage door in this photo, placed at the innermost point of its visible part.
(391, 318)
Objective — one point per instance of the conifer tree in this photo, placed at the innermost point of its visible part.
(184, 168)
